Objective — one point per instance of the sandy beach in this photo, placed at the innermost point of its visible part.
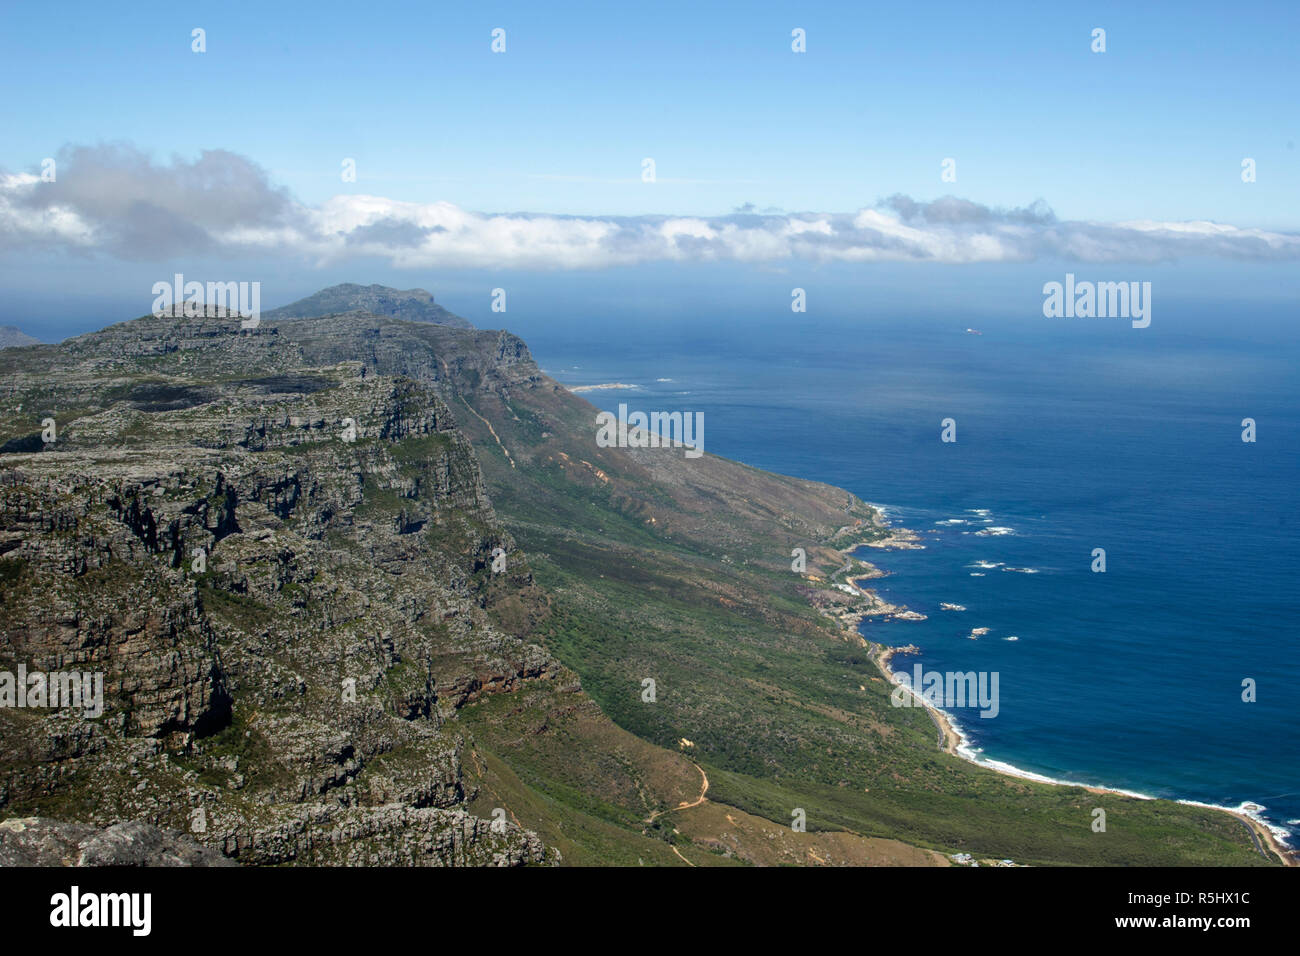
(949, 738)
(950, 741)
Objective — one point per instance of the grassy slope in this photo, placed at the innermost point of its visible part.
(678, 571)
(584, 784)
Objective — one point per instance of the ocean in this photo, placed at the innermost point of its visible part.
(1069, 437)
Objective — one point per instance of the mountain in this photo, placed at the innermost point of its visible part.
(281, 547)
(414, 305)
(12, 337)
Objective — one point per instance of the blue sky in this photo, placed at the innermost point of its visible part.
(230, 160)
(1155, 127)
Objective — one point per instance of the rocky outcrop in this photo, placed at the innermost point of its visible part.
(392, 835)
(38, 841)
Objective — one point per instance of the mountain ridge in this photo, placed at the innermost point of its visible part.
(415, 305)
(13, 337)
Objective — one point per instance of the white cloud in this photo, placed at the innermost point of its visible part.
(115, 201)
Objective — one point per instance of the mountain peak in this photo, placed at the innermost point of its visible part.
(415, 305)
(11, 337)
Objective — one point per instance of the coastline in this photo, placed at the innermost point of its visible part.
(957, 744)
(953, 741)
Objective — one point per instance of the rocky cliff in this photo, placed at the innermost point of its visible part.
(286, 580)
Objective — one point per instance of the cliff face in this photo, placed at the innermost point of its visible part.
(286, 581)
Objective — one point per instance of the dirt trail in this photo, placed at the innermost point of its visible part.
(684, 805)
(490, 429)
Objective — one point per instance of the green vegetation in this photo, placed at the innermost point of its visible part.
(666, 579)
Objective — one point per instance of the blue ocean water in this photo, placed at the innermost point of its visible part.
(1073, 437)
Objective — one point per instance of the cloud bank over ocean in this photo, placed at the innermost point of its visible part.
(115, 201)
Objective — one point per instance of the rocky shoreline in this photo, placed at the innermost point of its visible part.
(950, 738)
